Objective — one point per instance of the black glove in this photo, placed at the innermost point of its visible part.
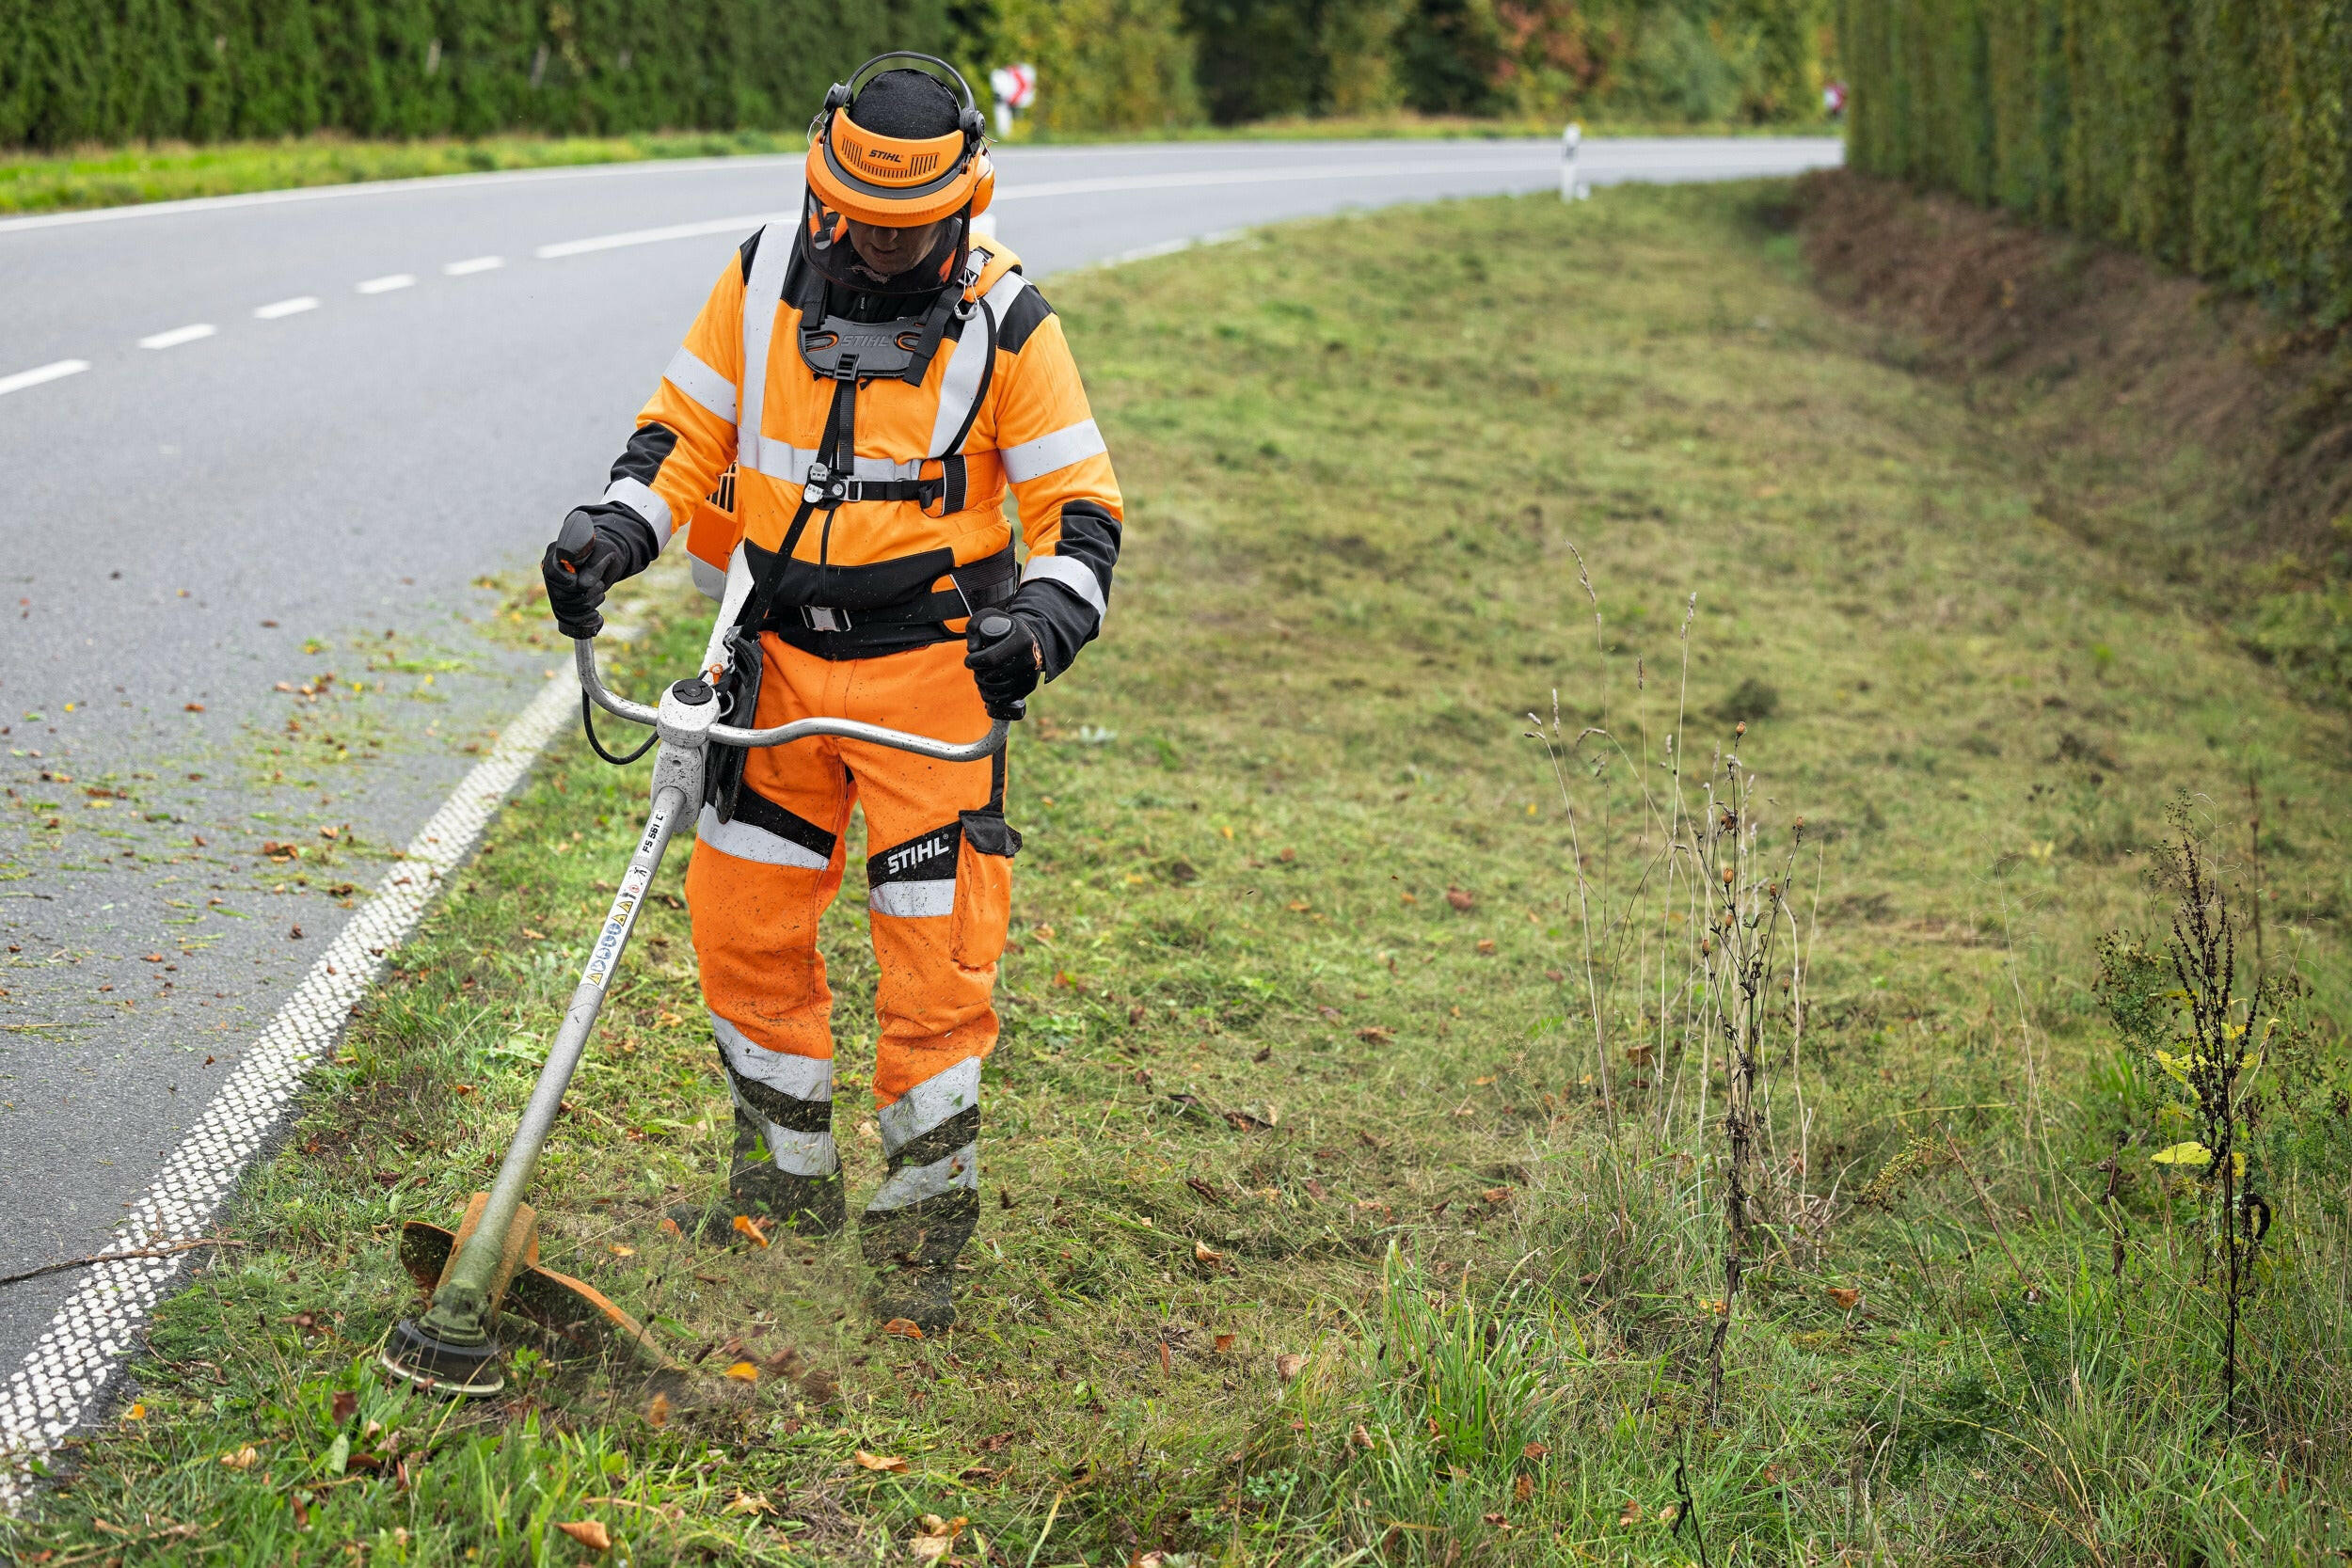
(1006, 660)
(588, 556)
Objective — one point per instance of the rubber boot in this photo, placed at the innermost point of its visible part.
(771, 1199)
(913, 1251)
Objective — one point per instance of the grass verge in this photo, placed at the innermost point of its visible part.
(1307, 1237)
(115, 176)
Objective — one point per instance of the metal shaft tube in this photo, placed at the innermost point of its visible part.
(464, 1293)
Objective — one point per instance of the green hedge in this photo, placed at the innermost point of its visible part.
(113, 70)
(2213, 134)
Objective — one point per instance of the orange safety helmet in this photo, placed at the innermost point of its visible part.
(895, 182)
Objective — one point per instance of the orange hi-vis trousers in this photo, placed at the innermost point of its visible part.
(939, 885)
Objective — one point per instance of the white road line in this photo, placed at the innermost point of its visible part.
(294, 306)
(478, 264)
(651, 237)
(1546, 168)
(1285, 174)
(54, 370)
(65, 1378)
(387, 284)
(179, 335)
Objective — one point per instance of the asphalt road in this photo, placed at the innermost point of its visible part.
(253, 440)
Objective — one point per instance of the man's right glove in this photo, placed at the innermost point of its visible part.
(588, 556)
(1006, 660)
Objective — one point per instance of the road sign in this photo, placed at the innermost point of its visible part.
(1015, 85)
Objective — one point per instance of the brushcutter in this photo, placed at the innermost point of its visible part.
(492, 1258)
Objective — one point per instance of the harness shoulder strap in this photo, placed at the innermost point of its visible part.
(763, 295)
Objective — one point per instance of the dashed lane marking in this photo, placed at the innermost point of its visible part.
(56, 370)
(387, 284)
(179, 335)
(66, 1377)
(473, 264)
(294, 306)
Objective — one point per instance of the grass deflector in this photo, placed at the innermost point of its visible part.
(452, 1349)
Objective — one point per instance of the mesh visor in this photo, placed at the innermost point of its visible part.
(825, 243)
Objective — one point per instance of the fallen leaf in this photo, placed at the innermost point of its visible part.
(1534, 1453)
(461, 1090)
(1224, 1344)
(746, 1225)
(534, 936)
(905, 1328)
(1482, 1082)
(658, 1411)
(1210, 1258)
(1498, 1520)
(1289, 1366)
(1523, 1489)
(1847, 1300)
(748, 1502)
(1633, 1513)
(890, 1463)
(1669, 1514)
(241, 1459)
(1485, 944)
(138, 1411)
(346, 1406)
(1206, 1192)
(1359, 1439)
(590, 1533)
(1460, 899)
(1772, 1474)
(1497, 1194)
(743, 1371)
(995, 1442)
(1376, 1036)
(623, 1250)
(670, 1227)
(193, 707)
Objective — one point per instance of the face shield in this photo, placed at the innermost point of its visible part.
(888, 263)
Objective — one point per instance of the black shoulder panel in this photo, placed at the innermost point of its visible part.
(1027, 313)
(748, 249)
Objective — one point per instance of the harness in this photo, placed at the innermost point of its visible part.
(851, 354)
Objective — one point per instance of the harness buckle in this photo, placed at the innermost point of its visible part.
(824, 485)
(818, 617)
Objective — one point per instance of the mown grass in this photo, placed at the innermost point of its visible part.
(171, 171)
(1291, 858)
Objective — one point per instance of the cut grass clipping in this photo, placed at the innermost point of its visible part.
(1310, 1233)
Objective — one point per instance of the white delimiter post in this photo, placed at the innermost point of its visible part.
(1571, 188)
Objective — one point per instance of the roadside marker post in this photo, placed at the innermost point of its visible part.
(1571, 188)
(1016, 87)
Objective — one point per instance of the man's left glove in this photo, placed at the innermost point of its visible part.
(594, 550)
(1005, 659)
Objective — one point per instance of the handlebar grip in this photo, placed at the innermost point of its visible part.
(993, 626)
(579, 533)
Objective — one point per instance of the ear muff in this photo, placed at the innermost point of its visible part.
(984, 183)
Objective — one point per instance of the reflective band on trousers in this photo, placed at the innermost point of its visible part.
(800, 1077)
(928, 1104)
(910, 1184)
(1072, 573)
(746, 843)
(912, 900)
(799, 1153)
(1070, 444)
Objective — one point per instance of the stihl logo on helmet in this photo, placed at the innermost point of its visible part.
(896, 181)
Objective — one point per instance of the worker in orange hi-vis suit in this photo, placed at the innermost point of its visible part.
(836, 437)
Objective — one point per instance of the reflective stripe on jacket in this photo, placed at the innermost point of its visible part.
(980, 423)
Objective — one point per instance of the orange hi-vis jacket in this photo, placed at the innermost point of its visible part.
(1000, 404)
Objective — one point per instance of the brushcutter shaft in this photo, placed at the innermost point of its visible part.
(477, 1264)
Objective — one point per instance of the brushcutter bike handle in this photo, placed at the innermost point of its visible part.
(584, 659)
(995, 625)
